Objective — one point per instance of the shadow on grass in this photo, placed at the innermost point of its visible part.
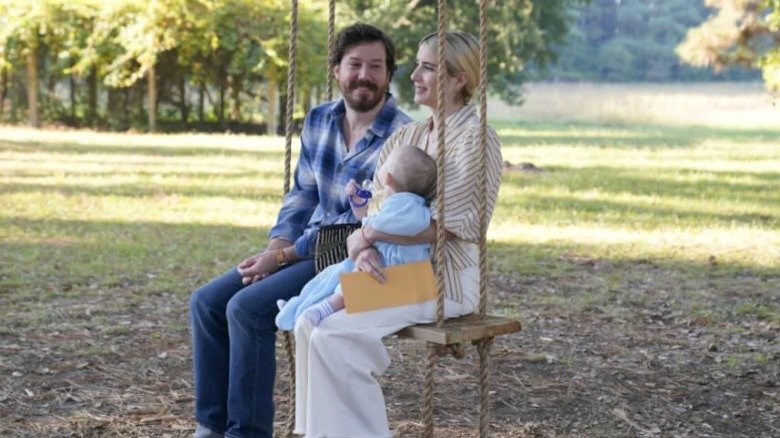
(560, 260)
(569, 280)
(66, 255)
(59, 249)
(757, 188)
(260, 193)
(140, 150)
(648, 217)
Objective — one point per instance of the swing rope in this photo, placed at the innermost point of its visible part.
(288, 336)
(331, 46)
(427, 410)
(290, 94)
(484, 345)
(482, 183)
(440, 231)
(293, 45)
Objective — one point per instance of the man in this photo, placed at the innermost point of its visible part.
(232, 317)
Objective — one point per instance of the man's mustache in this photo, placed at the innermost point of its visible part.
(362, 83)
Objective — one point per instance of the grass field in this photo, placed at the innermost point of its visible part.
(643, 260)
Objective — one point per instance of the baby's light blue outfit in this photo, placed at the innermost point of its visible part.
(402, 214)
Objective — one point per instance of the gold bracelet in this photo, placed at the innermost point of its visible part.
(281, 260)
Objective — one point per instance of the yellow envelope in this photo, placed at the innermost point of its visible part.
(406, 284)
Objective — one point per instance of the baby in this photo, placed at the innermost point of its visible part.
(408, 174)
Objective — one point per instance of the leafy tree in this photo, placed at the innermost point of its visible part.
(43, 36)
(520, 32)
(150, 55)
(649, 29)
(741, 32)
(616, 59)
(230, 45)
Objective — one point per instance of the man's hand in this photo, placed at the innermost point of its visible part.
(257, 267)
(356, 242)
(369, 261)
(351, 188)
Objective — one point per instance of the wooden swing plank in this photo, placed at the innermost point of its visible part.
(464, 329)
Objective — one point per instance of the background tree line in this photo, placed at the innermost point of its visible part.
(636, 41)
(222, 64)
(201, 63)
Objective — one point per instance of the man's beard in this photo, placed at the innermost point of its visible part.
(363, 103)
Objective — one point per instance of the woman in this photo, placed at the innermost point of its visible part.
(336, 392)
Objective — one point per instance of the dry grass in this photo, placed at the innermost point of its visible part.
(708, 104)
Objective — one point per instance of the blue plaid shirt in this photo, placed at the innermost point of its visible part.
(324, 168)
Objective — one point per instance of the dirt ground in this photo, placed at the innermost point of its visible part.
(116, 368)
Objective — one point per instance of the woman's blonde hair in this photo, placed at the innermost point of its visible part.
(461, 55)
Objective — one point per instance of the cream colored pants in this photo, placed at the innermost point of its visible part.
(336, 393)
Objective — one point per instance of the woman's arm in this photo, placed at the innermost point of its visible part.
(426, 236)
(366, 236)
(369, 261)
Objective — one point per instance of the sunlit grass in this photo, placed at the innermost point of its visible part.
(588, 193)
(152, 213)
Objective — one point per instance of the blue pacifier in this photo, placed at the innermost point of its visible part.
(364, 191)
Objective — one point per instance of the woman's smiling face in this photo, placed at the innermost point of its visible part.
(424, 77)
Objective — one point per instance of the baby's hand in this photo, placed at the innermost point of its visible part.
(351, 188)
(358, 197)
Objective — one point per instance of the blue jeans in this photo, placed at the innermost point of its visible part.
(234, 349)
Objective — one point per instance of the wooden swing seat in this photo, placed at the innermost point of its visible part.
(469, 328)
(472, 328)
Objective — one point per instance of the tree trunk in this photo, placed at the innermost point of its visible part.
(272, 123)
(72, 82)
(92, 85)
(50, 101)
(17, 89)
(184, 107)
(235, 99)
(127, 95)
(152, 100)
(32, 90)
(202, 103)
(221, 114)
(283, 111)
(306, 100)
(3, 90)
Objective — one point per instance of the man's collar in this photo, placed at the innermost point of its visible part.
(381, 122)
(339, 109)
(385, 116)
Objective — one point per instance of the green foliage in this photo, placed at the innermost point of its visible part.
(228, 50)
(641, 35)
(231, 45)
(521, 32)
(741, 32)
(770, 61)
(50, 32)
